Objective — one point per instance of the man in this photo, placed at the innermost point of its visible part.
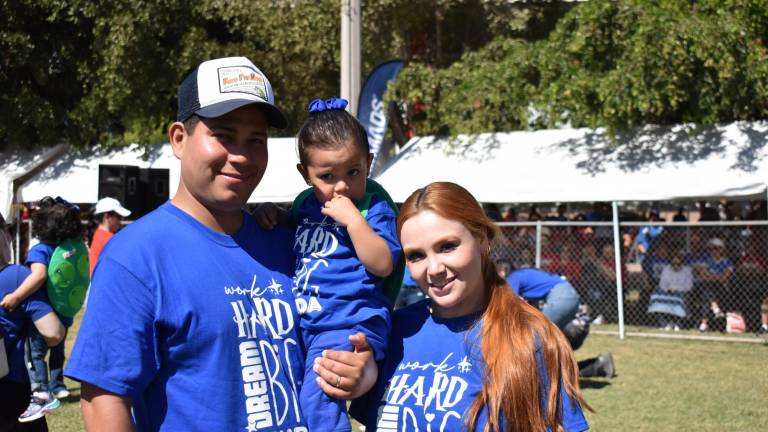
(559, 301)
(109, 213)
(191, 321)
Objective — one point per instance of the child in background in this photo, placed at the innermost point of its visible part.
(54, 222)
(342, 255)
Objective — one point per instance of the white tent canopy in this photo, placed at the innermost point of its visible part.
(583, 165)
(16, 164)
(74, 176)
(564, 165)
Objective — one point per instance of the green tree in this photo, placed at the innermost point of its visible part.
(614, 64)
(97, 72)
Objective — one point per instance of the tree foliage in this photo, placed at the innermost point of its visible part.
(613, 64)
(97, 72)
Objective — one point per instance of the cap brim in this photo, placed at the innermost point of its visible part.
(275, 117)
(122, 211)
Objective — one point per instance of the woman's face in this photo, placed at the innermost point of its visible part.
(444, 258)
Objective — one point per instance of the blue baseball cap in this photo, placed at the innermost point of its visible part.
(222, 85)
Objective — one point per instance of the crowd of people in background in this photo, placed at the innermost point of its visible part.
(692, 275)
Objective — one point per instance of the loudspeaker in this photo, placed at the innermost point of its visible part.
(122, 183)
(140, 190)
(153, 182)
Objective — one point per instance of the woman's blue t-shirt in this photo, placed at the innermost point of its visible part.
(431, 375)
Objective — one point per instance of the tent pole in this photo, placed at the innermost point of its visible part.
(538, 244)
(16, 252)
(617, 259)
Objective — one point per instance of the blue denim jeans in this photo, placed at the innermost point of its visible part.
(562, 303)
(38, 373)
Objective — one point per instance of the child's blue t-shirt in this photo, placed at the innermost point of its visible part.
(533, 284)
(16, 324)
(199, 328)
(41, 253)
(332, 287)
(432, 374)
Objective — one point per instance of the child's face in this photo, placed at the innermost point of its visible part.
(224, 158)
(340, 171)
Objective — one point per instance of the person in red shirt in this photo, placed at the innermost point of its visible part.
(109, 213)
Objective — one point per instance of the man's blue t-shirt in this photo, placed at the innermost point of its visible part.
(332, 287)
(432, 374)
(199, 328)
(533, 284)
(16, 324)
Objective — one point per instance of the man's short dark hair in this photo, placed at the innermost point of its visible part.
(191, 123)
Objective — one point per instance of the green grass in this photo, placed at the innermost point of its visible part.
(673, 385)
(661, 385)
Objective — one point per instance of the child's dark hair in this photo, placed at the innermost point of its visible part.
(330, 129)
(57, 220)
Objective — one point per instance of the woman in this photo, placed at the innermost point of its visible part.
(669, 301)
(473, 356)
(14, 327)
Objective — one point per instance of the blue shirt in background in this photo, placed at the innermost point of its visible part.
(533, 284)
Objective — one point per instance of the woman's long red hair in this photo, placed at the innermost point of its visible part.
(511, 331)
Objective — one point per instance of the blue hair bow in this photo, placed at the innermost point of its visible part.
(319, 105)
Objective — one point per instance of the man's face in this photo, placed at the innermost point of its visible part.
(113, 221)
(224, 158)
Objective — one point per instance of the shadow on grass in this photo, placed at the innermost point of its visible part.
(587, 383)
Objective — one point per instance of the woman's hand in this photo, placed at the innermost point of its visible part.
(347, 374)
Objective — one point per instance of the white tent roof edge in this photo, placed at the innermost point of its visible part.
(74, 176)
(25, 163)
(652, 163)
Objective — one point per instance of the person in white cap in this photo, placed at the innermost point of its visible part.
(713, 274)
(110, 214)
(191, 321)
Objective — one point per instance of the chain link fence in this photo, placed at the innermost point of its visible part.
(706, 277)
(710, 277)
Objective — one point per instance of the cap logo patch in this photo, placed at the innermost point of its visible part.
(242, 79)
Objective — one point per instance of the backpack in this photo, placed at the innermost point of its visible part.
(68, 277)
(392, 282)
